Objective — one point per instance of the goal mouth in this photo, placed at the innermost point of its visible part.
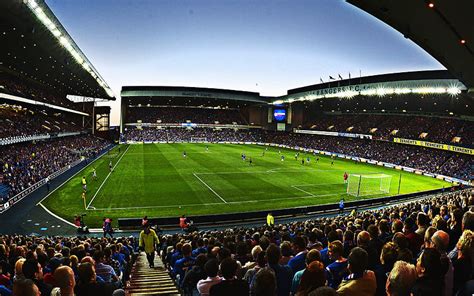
(368, 184)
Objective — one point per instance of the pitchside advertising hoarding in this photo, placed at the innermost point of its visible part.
(435, 145)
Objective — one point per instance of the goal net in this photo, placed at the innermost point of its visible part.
(371, 184)
(198, 139)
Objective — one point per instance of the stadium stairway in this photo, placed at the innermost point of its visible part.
(150, 281)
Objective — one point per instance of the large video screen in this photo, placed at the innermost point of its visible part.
(279, 114)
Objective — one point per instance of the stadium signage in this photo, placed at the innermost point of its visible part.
(333, 134)
(434, 145)
(438, 86)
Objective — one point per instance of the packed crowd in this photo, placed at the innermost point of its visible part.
(17, 121)
(189, 135)
(10, 86)
(430, 160)
(438, 130)
(64, 266)
(24, 164)
(184, 114)
(423, 247)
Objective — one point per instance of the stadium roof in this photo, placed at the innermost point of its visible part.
(35, 46)
(436, 75)
(190, 92)
(443, 28)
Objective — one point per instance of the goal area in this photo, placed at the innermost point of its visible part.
(368, 184)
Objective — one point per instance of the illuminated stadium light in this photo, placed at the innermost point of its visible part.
(429, 90)
(369, 92)
(453, 90)
(109, 92)
(431, 5)
(401, 91)
(463, 41)
(380, 90)
(64, 41)
(32, 4)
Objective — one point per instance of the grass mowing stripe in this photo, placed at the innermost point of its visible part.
(103, 182)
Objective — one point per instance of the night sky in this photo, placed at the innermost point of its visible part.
(263, 46)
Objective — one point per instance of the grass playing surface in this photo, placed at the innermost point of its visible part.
(156, 180)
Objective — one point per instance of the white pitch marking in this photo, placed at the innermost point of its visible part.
(103, 182)
(217, 203)
(71, 177)
(209, 187)
(307, 192)
(55, 216)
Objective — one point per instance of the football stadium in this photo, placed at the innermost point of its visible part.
(210, 155)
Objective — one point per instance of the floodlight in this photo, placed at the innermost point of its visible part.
(453, 90)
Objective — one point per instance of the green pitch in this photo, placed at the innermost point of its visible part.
(158, 181)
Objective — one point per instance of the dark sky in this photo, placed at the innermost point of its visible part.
(264, 46)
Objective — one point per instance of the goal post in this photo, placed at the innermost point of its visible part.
(198, 139)
(368, 184)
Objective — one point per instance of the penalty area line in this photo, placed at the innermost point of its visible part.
(209, 187)
(304, 191)
(108, 175)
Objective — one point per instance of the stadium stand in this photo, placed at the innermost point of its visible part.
(18, 121)
(429, 232)
(14, 86)
(25, 164)
(167, 114)
(438, 130)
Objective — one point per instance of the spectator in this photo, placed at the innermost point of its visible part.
(313, 255)
(230, 285)
(283, 273)
(88, 285)
(337, 270)
(65, 282)
(360, 281)
(297, 263)
(265, 282)
(428, 268)
(313, 277)
(401, 279)
(463, 271)
(106, 272)
(32, 270)
(197, 273)
(211, 268)
(363, 241)
(25, 287)
(388, 257)
(440, 241)
(323, 291)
